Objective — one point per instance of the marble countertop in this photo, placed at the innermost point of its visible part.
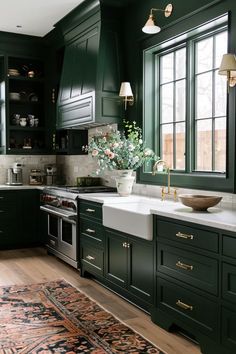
(215, 217)
(23, 186)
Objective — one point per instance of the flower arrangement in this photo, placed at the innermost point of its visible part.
(120, 150)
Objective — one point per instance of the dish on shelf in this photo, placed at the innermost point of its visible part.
(199, 202)
(15, 96)
(13, 72)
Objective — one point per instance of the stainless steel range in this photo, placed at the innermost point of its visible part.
(61, 206)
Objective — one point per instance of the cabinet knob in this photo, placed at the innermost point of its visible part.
(184, 306)
(185, 236)
(184, 266)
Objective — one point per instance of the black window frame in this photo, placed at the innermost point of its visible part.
(195, 180)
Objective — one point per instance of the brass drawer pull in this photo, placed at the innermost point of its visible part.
(90, 231)
(184, 266)
(90, 210)
(185, 236)
(184, 306)
(90, 258)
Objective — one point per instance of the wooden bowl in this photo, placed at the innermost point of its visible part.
(199, 202)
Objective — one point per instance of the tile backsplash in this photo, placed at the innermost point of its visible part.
(28, 162)
(73, 166)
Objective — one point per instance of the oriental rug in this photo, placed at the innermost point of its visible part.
(55, 317)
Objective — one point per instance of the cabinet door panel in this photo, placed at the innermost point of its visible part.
(229, 282)
(228, 329)
(141, 269)
(116, 258)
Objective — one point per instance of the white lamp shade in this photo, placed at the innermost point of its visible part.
(125, 90)
(228, 63)
(150, 27)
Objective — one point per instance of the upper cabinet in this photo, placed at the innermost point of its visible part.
(24, 98)
(92, 69)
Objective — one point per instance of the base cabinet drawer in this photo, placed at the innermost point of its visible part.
(92, 258)
(195, 310)
(92, 230)
(188, 235)
(189, 267)
(91, 210)
(229, 329)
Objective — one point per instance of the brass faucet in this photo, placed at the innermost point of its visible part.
(163, 189)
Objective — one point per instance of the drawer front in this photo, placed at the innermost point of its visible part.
(92, 258)
(191, 268)
(229, 282)
(90, 209)
(192, 236)
(188, 307)
(228, 329)
(229, 246)
(92, 230)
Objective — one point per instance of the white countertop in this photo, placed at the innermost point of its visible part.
(23, 186)
(215, 217)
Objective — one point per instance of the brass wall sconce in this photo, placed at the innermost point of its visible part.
(228, 68)
(150, 26)
(126, 93)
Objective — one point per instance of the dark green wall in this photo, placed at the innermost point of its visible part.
(185, 14)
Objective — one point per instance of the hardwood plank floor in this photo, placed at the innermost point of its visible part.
(27, 266)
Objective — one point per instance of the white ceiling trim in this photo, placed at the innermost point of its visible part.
(36, 18)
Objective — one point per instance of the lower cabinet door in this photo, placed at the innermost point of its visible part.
(116, 258)
(229, 329)
(141, 269)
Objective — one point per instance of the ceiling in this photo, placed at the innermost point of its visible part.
(34, 17)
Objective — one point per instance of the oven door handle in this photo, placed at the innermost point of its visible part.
(71, 216)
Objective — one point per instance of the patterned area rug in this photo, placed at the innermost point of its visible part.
(57, 318)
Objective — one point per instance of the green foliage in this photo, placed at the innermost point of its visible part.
(121, 150)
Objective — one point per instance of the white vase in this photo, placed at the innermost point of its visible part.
(124, 182)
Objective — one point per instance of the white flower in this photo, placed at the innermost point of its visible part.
(140, 141)
(135, 159)
(131, 147)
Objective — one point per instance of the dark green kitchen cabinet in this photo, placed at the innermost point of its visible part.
(130, 264)
(19, 218)
(92, 70)
(70, 141)
(196, 283)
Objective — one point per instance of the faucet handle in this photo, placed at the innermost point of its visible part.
(175, 194)
(163, 193)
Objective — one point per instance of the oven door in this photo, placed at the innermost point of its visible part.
(67, 244)
(62, 234)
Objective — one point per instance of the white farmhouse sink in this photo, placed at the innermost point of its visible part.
(133, 218)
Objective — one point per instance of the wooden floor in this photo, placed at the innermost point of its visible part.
(28, 266)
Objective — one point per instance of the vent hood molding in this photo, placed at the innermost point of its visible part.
(92, 68)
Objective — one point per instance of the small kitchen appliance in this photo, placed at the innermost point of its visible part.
(50, 175)
(14, 174)
(36, 177)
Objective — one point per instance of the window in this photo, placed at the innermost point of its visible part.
(207, 130)
(187, 113)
